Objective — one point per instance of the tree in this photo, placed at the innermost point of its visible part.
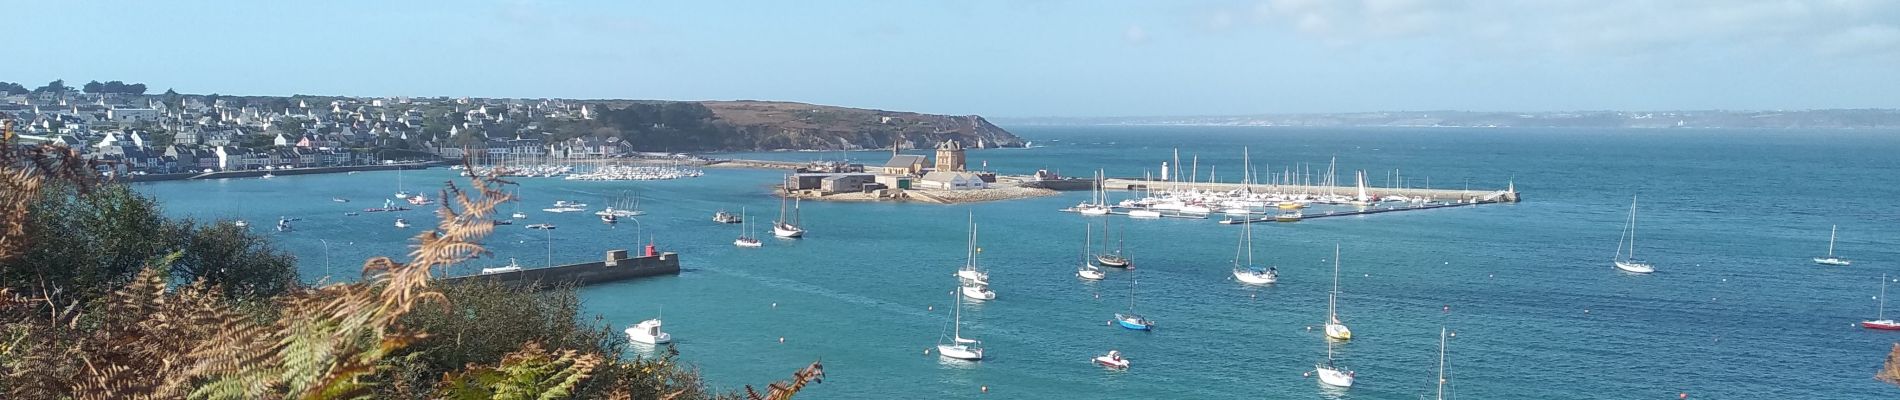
(13, 88)
(136, 88)
(94, 87)
(57, 86)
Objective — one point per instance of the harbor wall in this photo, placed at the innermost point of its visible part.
(1507, 195)
(616, 266)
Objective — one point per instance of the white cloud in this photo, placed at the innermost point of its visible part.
(1135, 34)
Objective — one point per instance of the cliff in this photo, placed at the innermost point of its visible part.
(763, 125)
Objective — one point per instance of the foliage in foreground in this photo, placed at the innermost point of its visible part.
(152, 339)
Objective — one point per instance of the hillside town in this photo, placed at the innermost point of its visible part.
(172, 133)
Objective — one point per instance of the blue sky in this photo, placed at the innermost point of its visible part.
(997, 58)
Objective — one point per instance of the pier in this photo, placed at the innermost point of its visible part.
(616, 266)
(1507, 195)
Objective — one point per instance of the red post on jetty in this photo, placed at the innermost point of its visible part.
(650, 251)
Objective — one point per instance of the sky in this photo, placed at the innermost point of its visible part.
(1027, 58)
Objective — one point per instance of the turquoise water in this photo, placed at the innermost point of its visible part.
(1730, 218)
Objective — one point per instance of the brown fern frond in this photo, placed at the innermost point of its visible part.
(1890, 372)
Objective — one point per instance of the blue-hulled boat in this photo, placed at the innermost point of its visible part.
(1134, 321)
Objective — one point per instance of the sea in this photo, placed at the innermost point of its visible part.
(1730, 218)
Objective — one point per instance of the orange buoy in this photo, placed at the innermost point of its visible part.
(1683, 395)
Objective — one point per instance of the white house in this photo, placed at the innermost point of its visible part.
(951, 181)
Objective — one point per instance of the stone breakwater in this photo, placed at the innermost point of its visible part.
(996, 192)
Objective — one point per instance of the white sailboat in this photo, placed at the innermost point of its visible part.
(1098, 199)
(745, 235)
(1331, 372)
(1335, 329)
(970, 273)
(1247, 272)
(976, 289)
(400, 194)
(1630, 263)
(1088, 270)
(1831, 259)
(787, 228)
(959, 347)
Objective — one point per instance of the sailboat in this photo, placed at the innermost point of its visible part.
(1130, 319)
(1110, 259)
(1248, 273)
(1335, 329)
(400, 194)
(1331, 372)
(1088, 270)
(515, 205)
(959, 347)
(1630, 263)
(974, 282)
(970, 273)
(1880, 317)
(1831, 259)
(787, 228)
(1098, 199)
(745, 235)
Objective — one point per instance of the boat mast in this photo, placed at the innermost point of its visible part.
(1882, 313)
(956, 323)
(1632, 228)
(1332, 299)
(1087, 238)
(1830, 240)
(1441, 363)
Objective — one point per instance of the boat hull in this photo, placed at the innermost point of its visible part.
(1635, 267)
(1090, 274)
(1144, 214)
(959, 352)
(1257, 278)
(1132, 323)
(978, 293)
(1832, 261)
(1334, 377)
(747, 243)
(1885, 325)
(1111, 362)
(787, 231)
(1112, 261)
(1338, 332)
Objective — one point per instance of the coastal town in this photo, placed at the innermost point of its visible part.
(140, 134)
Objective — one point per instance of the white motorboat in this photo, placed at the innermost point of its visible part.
(267, 175)
(1335, 329)
(519, 215)
(541, 226)
(283, 224)
(1628, 262)
(1143, 213)
(1112, 360)
(511, 267)
(1830, 259)
(402, 223)
(1246, 272)
(1195, 209)
(648, 332)
(787, 228)
(241, 223)
(959, 348)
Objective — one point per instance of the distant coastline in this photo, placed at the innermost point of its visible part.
(1770, 119)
